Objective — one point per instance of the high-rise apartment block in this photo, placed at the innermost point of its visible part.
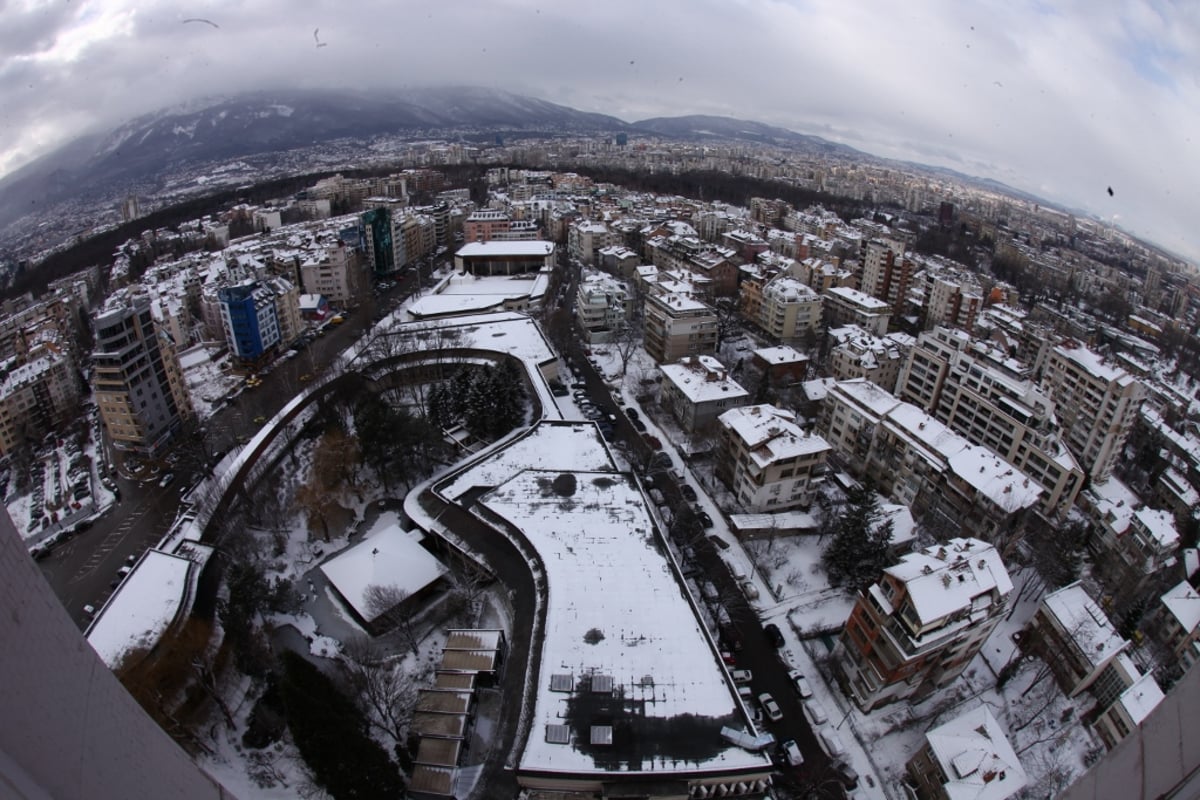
(1097, 404)
(921, 623)
(137, 380)
(249, 319)
(989, 398)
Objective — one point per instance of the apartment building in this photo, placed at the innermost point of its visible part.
(250, 321)
(845, 306)
(950, 299)
(697, 389)
(886, 274)
(920, 462)
(1132, 548)
(1178, 623)
(968, 757)
(766, 460)
(1096, 405)
(858, 354)
(677, 326)
(136, 380)
(781, 365)
(585, 238)
(602, 305)
(38, 392)
(336, 273)
(988, 397)
(717, 266)
(1077, 641)
(922, 622)
(790, 311)
(486, 224)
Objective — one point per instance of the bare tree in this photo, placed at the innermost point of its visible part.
(386, 692)
(382, 601)
(626, 338)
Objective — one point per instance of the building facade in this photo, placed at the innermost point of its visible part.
(249, 320)
(845, 306)
(767, 461)
(989, 398)
(137, 381)
(677, 326)
(922, 622)
(1096, 404)
(697, 390)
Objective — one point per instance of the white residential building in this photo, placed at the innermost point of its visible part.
(602, 305)
(768, 462)
(845, 306)
(698, 389)
(1096, 404)
(967, 757)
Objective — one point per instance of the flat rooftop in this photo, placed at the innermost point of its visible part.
(630, 682)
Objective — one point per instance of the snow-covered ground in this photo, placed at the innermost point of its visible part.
(209, 382)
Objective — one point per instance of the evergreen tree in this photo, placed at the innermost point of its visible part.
(860, 547)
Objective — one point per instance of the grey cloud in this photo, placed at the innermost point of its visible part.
(915, 82)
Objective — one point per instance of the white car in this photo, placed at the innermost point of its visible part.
(815, 712)
(801, 683)
(770, 707)
(791, 752)
(741, 675)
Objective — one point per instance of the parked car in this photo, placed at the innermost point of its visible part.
(815, 712)
(770, 707)
(706, 522)
(774, 635)
(749, 590)
(791, 753)
(832, 744)
(631, 413)
(801, 683)
(165, 481)
(741, 675)
(688, 492)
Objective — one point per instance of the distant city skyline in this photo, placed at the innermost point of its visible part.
(1063, 101)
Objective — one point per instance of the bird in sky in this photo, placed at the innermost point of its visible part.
(1110, 191)
(317, 38)
(199, 19)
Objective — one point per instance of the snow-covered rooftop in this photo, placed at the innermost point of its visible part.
(505, 248)
(780, 355)
(959, 575)
(1091, 362)
(1183, 603)
(1142, 696)
(871, 396)
(860, 299)
(147, 602)
(977, 758)
(1159, 525)
(1087, 625)
(703, 379)
(388, 558)
(771, 434)
(656, 675)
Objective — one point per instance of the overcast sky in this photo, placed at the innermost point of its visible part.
(1063, 99)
